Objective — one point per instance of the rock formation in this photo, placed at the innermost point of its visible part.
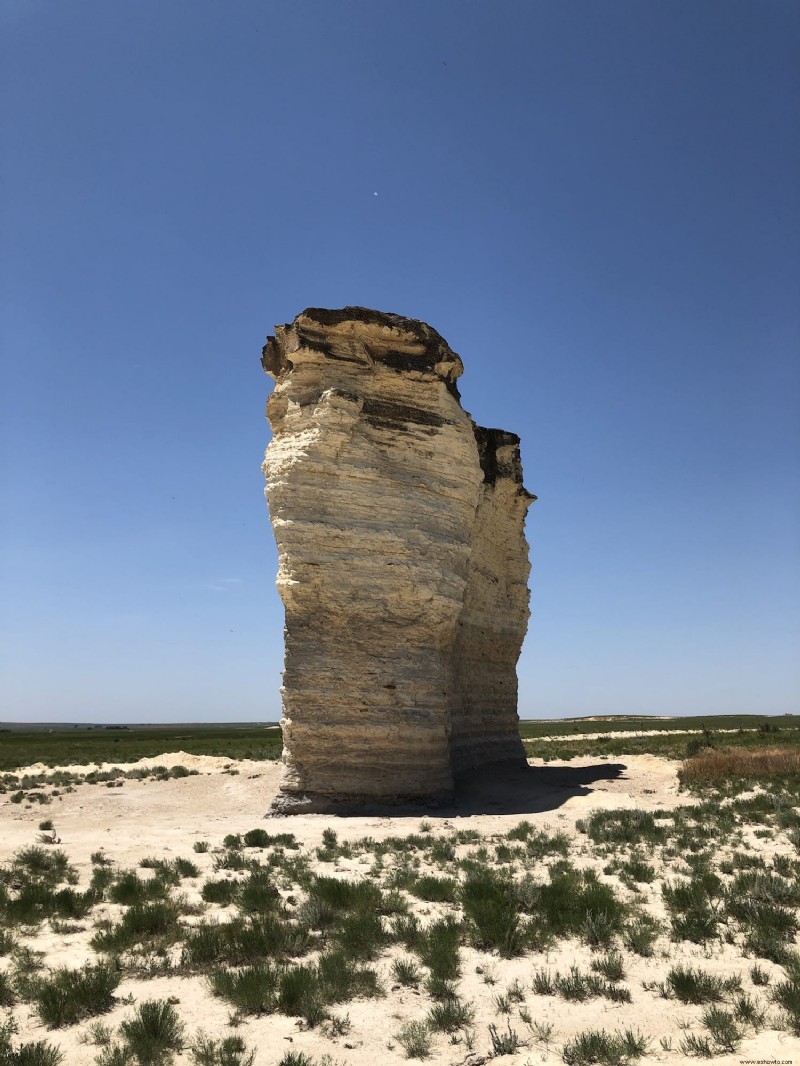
(403, 564)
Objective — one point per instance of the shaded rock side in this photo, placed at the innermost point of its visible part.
(402, 562)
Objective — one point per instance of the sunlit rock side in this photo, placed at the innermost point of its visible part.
(402, 562)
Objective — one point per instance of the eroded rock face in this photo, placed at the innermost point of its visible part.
(403, 564)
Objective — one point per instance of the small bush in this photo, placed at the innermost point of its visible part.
(406, 972)
(435, 889)
(68, 996)
(361, 936)
(222, 892)
(722, 1026)
(450, 1015)
(608, 1049)
(506, 1043)
(491, 908)
(415, 1040)
(128, 888)
(251, 990)
(787, 995)
(230, 1051)
(625, 827)
(439, 949)
(694, 986)
(154, 1032)
(610, 966)
(640, 934)
(142, 923)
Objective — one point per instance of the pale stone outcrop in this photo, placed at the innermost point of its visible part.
(403, 563)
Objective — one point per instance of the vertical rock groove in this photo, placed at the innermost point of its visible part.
(403, 563)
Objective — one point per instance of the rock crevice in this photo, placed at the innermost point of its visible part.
(403, 563)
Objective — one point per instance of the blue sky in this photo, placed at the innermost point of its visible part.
(597, 204)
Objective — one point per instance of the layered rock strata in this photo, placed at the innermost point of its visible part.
(403, 563)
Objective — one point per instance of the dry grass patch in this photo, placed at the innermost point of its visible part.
(715, 767)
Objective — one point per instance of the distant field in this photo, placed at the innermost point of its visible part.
(58, 745)
(65, 745)
(680, 737)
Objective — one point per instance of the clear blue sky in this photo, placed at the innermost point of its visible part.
(596, 203)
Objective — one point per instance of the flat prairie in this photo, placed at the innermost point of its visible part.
(593, 909)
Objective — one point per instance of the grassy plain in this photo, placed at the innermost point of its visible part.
(60, 745)
(651, 924)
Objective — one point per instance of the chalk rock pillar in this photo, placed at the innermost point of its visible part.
(403, 563)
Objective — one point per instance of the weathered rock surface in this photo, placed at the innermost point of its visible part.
(403, 564)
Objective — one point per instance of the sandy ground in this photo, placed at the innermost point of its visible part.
(164, 818)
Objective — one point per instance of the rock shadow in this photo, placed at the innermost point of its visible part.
(510, 788)
(495, 788)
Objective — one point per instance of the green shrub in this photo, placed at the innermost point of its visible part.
(229, 1051)
(787, 995)
(360, 896)
(258, 894)
(439, 949)
(406, 972)
(223, 891)
(449, 1015)
(154, 1032)
(142, 923)
(128, 888)
(68, 996)
(415, 1040)
(722, 1026)
(245, 940)
(435, 889)
(506, 1043)
(251, 990)
(341, 978)
(694, 986)
(491, 909)
(625, 827)
(640, 934)
(691, 912)
(610, 966)
(608, 1049)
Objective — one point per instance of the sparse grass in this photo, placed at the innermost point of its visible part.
(690, 985)
(38, 1053)
(229, 1051)
(491, 908)
(439, 949)
(607, 1049)
(449, 1015)
(68, 996)
(153, 924)
(504, 1043)
(624, 827)
(154, 1032)
(415, 1040)
(611, 966)
(251, 989)
(435, 889)
(787, 995)
(406, 972)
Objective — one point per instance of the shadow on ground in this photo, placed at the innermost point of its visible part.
(497, 788)
(507, 788)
